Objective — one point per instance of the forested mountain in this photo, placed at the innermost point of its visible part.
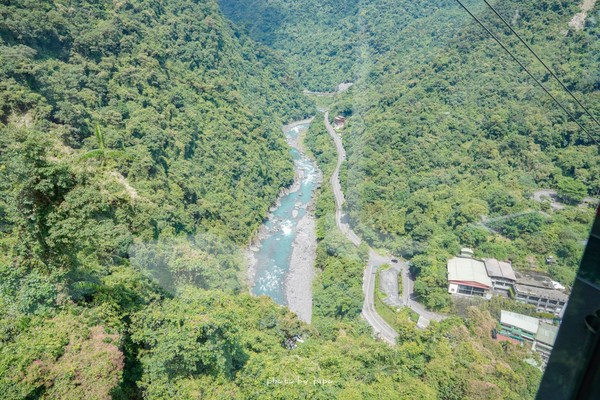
(464, 135)
(140, 149)
(133, 135)
(330, 42)
(446, 130)
(134, 121)
(318, 37)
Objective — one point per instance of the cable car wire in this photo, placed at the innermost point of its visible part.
(526, 70)
(542, 62)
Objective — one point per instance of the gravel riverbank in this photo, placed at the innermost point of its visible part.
(298, 285)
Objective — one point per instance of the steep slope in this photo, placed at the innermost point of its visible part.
(329, 42)
(134, 136)
(158, 112)
(445, 131)
(140, 140)
(438, 143)
(318, 37)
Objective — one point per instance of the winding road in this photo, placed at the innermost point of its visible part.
(382, 329)
(337, 188)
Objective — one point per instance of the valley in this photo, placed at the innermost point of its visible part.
(281, 265)
(161, 236)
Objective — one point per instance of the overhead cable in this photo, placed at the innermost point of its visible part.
(527, 71)
(542, 62)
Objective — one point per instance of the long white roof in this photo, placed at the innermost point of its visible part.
(464, 269)
(520, 321)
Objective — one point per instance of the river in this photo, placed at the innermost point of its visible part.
(284, 255)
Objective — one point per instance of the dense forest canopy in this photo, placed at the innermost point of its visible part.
(329, 42)
(117, 118)
(447, 132)
(138, 140)
(466, 136)
(140, 149)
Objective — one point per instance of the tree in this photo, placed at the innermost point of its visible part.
(102, 153)
(571, 190)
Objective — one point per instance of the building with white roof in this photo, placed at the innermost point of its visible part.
(467, 276)
(544, 340)
(522, 328)
(518, 326)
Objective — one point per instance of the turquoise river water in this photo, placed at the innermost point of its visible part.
(276, 246)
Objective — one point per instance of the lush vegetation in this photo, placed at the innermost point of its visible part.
(446, 136)
(340, 265)
(455, 359)
(315, 35)
(140, 150)
(439, 148)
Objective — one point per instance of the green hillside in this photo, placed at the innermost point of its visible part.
(330, 42)
(137, 140)
(317, 37)
(446, 131)
(140, 150)
(439, 141)
(131, 122)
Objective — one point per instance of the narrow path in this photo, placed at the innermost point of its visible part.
(382, 328)
(319, 94)
(485, 221)
(342, 87)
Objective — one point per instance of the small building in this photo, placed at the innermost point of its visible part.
(467, 252)
(340, 120)
(501, 273)
(519, 327)
(467, 276)
(540, 291)
(544, 340)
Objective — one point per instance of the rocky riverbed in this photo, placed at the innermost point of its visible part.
(281, 258)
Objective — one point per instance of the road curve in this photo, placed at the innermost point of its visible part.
(382, 329)
(337, 188)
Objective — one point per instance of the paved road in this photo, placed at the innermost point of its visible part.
(409, 298)
(382, 329)
(335, 184)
